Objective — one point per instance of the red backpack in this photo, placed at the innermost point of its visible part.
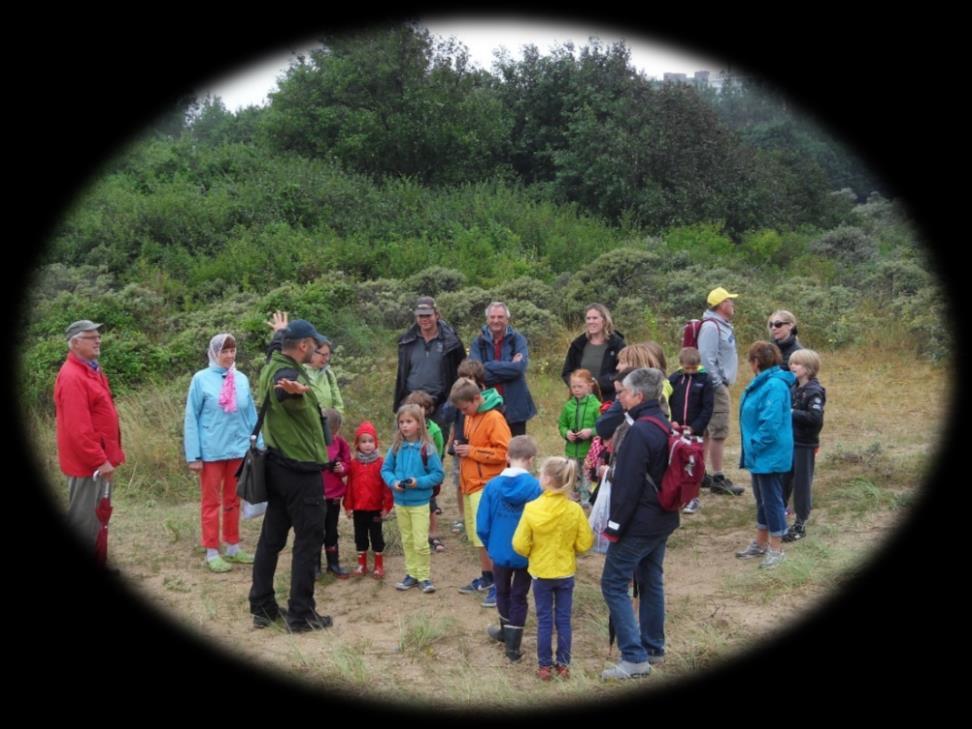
(690, 332)
(686, 467)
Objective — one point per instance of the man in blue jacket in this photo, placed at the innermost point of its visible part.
(638, 529)
(505, 357)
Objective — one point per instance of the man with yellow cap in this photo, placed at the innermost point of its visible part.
(717, 345)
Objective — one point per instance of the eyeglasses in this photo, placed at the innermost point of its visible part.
(778, 324)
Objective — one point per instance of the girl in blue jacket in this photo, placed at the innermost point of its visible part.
(766, 429)
(220, 416)
(411, 470)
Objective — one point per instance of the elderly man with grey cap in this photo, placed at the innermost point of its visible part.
(717, 345)
(88, 433)
(429, 354)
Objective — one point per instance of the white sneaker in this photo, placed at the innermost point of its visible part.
(772, 559)
(753, 550)
(692, 506)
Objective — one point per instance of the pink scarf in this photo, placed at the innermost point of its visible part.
(227, 395)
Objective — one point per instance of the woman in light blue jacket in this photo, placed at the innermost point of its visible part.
(220, 416)
(766, 432)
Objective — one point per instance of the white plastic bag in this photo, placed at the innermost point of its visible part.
(252, 511)
(598, 518)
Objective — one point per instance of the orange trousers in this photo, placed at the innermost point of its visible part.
(218, 483)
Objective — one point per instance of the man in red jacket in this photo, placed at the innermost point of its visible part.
(88, 436)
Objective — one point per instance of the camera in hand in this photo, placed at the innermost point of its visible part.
(329, 466)
(406, 482)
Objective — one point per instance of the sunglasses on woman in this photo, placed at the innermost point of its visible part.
(778, 324)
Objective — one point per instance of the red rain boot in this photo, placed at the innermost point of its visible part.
(362, 568)
(379, 570)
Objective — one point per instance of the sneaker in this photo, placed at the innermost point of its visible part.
(691, 507)
(458, 527)
(218, 564)
(752, 551)
(545, 673)
(266, 619)
(490, 600)
(722, 485)
(477, 585)
(240, 557)
(795, 532)
(772, 559)
(407, 584)
(427, 586)
(306, 625)
(563, 672)
(625, 670)
(656, 659)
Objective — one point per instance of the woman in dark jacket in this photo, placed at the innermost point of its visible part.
(596, 350)
(782, 327)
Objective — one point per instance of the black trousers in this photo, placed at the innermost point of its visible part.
(368, 524)
(332, 514)
(518, 428)
(294, 500)
(798, 481)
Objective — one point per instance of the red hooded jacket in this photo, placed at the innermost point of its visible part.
(88, 433)
(366, 489)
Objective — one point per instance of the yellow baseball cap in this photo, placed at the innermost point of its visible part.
(717, 296)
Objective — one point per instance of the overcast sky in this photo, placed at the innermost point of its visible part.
(252, 84)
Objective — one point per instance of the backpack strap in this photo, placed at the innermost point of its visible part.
(657, 422)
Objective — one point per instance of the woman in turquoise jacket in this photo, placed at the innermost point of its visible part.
(766, 433)
(220, 416)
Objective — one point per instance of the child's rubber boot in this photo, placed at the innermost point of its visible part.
(498, 632)
(362, 568)
(379, 571)
(333, 564)
(513, 635)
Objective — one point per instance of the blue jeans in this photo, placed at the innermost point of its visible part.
(643, 559)
(554, 599)
(770, 509)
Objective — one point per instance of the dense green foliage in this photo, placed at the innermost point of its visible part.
(385, 168)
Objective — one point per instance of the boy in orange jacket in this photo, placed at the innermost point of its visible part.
(482, 450)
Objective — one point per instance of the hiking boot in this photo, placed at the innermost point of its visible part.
(795, 532)
(772, 559)
(693, 506)
(306, 625)
(490, 600)
(479, 584)
(625, 670)
(563, 672)
(722, 485)
(266, 618)
(545, 673)
(218, 564)
(427, 586)
(407, 584)
(753, 550)
(240, 557)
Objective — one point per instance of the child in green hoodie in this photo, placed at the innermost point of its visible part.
(576, 424)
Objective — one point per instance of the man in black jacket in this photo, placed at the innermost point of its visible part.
(429, 354)
(638, 529)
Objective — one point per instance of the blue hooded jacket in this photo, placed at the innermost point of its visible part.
(407, 463)
(519, 406)
(766, 424)
(500, 509)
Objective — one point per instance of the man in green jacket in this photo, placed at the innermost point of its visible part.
(296, 454)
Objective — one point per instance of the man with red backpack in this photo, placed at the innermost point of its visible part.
(715, 339)
(638, 528)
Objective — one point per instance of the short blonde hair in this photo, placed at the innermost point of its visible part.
(558, 475)
(809, 359)
(689, 356)
(521, 448)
